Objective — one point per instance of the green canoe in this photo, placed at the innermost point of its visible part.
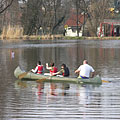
(31, 76)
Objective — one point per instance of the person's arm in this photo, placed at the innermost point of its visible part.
(92, 74)
(58, 73)
(78, 70)
(35, 70)
(47, 67)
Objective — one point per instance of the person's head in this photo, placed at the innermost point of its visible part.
(85, 62)
(63, 66)
(39, 63)
(52, 64)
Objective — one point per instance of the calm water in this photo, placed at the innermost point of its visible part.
(28, 100)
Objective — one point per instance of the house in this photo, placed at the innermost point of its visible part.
(71, 25)
(109, 27)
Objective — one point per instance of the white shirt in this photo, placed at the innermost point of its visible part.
(85, 70)
(12, 54)
(36, 69)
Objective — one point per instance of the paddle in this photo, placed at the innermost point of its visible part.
(23, 75)
(40, 80)
(99, 73)
(105, 81)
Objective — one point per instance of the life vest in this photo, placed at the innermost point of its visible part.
(66, 72)
(40, 69)
(54, 70)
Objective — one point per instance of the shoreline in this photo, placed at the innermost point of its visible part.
(53, 37)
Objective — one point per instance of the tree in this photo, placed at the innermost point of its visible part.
(30, 16)
(80, 9)
(49, 15)
(4, 4)
(77, 3)
(94, 12)
(9, 13)
(45, 14)
(97, 11)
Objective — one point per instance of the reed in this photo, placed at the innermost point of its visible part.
(12, 32)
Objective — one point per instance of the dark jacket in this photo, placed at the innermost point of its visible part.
(66, 72)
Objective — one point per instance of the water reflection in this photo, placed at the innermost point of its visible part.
(28, 100)
(20, 84)
(105, 60)
(85, 93)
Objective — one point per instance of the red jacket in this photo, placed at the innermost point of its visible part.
(54, 70)
(40, 69)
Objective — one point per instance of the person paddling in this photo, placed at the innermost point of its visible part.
(85, 70)
(38, 69)
(64, 71)
(52, 68)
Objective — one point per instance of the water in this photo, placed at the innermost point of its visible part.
(28, 100)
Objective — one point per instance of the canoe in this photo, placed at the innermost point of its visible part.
(45, 78)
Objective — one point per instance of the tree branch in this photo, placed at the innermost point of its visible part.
(7, 6)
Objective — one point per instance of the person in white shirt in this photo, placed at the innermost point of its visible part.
(12, 54)
(39, 68)
(85, 70)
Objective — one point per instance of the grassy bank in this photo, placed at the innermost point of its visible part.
(53, 37)
(93, 38)
(41, 37)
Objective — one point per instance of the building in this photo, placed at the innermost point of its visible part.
(71, 25)
(109, 27)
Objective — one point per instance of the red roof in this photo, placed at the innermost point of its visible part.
(72, 21)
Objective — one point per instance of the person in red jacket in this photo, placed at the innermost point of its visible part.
(52, 68)
(38, 69)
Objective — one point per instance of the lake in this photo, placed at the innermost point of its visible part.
(29, 100)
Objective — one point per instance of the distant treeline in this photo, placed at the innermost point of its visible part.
(42, 17)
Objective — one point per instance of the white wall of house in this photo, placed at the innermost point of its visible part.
(72, 32)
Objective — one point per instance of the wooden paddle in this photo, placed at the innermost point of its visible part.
(105, 81)
(99, 73)
(23, 75)
(40, 80)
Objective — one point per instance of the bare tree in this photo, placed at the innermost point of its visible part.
(53, 15)
(30, 16)
(94, 12)
(81, 6)
(9, 13)
(97, 11)
(45, 14)
(50, 14)
(4, 4)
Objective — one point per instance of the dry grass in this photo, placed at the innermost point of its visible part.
(16, 32)
(11, 32)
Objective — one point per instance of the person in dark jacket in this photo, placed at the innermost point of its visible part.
(64, 71)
